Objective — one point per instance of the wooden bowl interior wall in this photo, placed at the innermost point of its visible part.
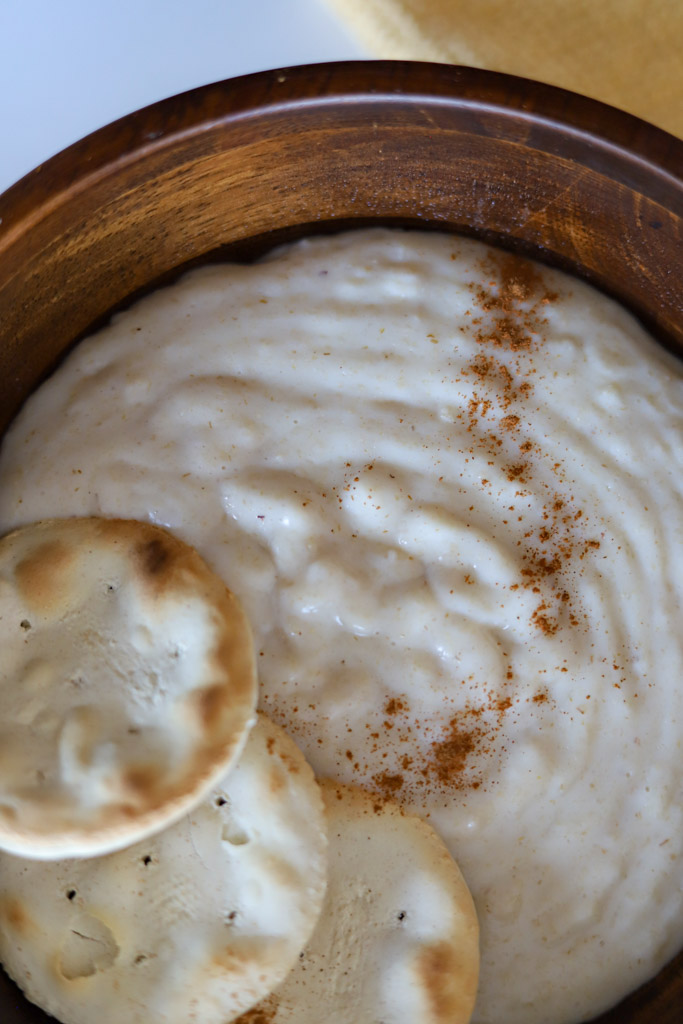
(233, 168)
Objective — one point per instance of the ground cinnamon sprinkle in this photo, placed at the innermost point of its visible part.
(471, 737)
(506, 334)
(454, 757)
(388, 784)
(545, 623)
(450, 755)
(515, 298)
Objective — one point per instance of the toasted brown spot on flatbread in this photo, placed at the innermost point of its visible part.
(438, 968)
(15, 915)
(144, 781)
(230, 650)
(40, 577)
(212, 702)
(155, 556)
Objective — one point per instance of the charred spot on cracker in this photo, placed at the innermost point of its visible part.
(40, 577)
(212, 702)
(143, 780)
(155, 556)
(12, 911)
(438, 968)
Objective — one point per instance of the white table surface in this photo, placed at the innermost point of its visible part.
(68, 67)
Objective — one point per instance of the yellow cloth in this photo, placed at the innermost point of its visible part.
(628, 53)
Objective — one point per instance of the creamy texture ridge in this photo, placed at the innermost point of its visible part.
(447, 486)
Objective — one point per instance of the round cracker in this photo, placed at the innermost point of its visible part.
(195, 924)
(127, 684)
(398, 938)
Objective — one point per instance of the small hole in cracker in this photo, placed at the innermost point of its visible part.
(25, 624)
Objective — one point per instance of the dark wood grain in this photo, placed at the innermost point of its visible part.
(233, 167)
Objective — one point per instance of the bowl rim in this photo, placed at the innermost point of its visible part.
(646, 155)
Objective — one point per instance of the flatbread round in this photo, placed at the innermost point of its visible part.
(398, 938)
(127, 684)
(195, 924)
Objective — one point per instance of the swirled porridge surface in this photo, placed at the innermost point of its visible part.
(447, 486)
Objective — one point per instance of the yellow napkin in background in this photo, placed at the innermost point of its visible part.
(628, 53)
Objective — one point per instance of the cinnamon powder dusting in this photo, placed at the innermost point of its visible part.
(450, 755)
(388, 784)
(514, 300)
(431, 758)
(471, 737)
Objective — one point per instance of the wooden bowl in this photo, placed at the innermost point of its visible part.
(235, 167)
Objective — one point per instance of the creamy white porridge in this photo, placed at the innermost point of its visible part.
(448, 488)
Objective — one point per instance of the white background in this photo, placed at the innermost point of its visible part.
(68, 67)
